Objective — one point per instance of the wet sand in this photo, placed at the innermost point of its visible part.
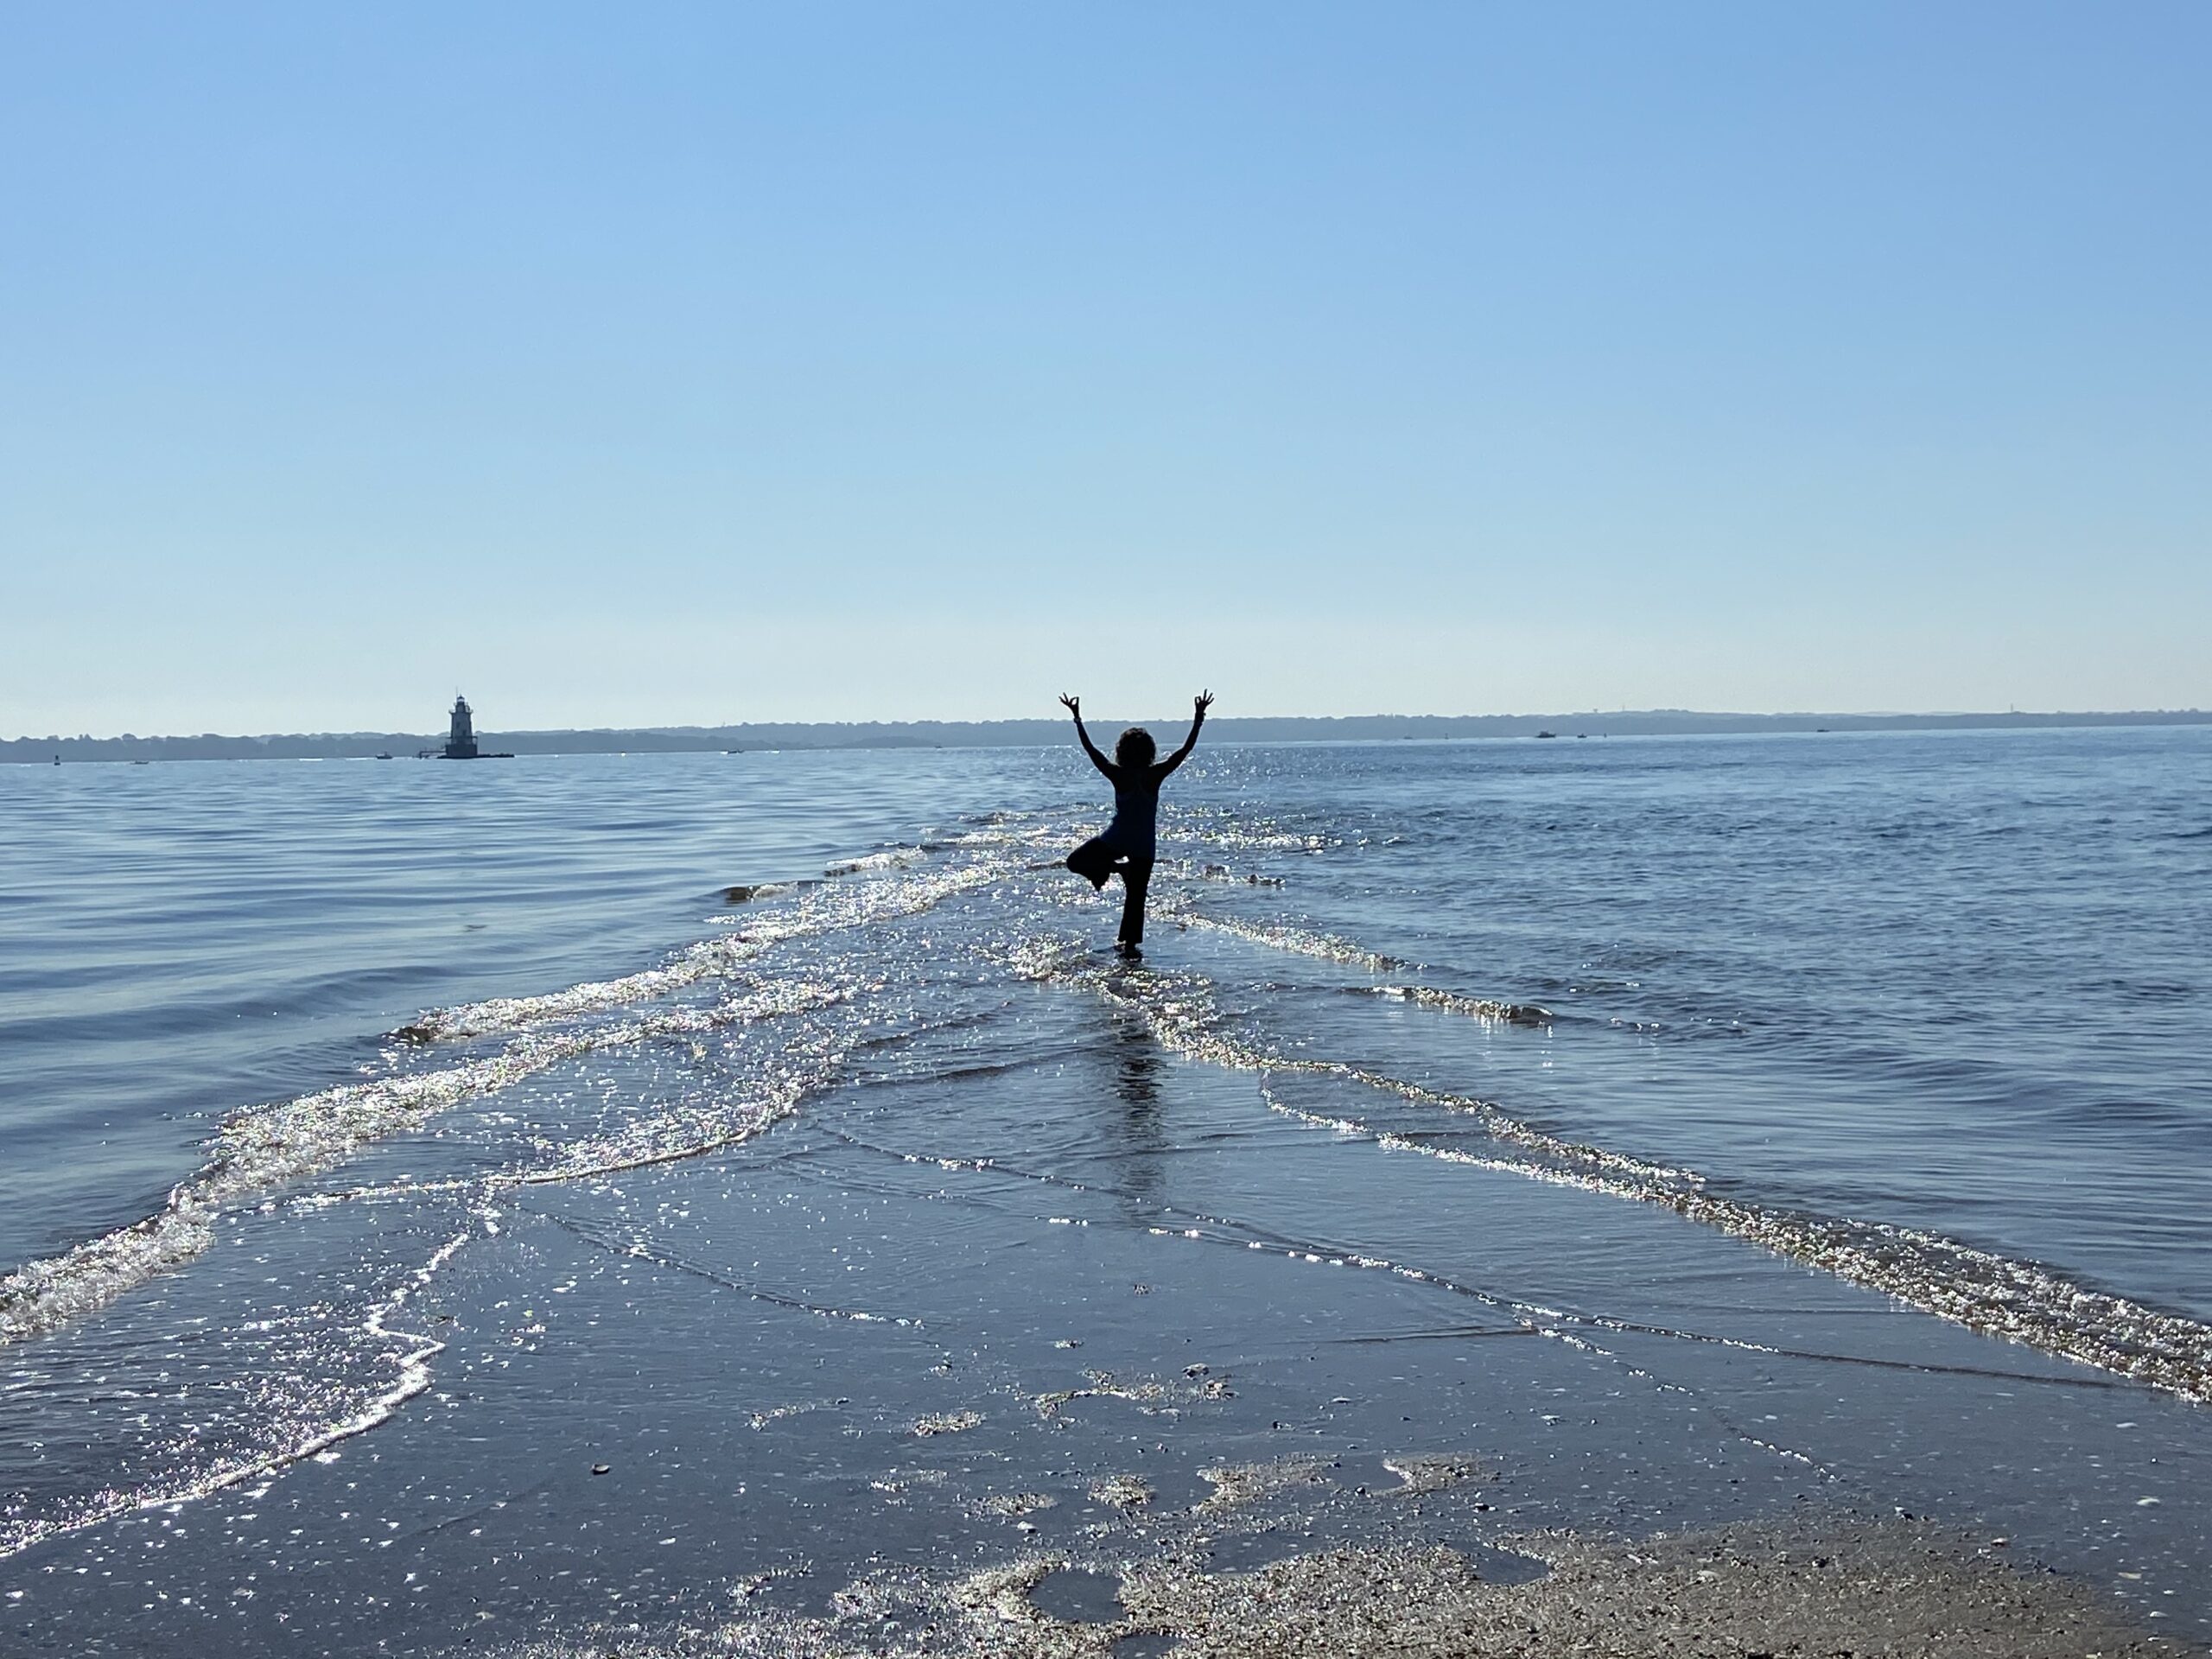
(1828, 1588)
(1854, 1590)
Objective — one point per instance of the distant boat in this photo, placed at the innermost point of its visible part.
(1546, 734)
(383, 754)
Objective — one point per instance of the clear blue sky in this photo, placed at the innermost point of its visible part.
(664, 363)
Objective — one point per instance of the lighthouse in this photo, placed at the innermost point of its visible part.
(461, 741)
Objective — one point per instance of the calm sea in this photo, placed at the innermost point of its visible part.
(1928, 1013)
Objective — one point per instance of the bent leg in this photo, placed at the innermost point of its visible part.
(1093, 861)
(1136, 876)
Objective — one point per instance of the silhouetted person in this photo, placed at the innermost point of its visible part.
(1129, 842)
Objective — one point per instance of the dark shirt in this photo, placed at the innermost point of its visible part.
(1135, 831)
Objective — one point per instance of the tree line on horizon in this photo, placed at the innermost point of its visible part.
(1023, 734)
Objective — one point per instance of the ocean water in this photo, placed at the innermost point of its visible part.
(1853, 1092)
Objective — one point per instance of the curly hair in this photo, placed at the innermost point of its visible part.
(1135, 747)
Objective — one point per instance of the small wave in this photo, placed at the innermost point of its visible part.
(1282, 936)
(1475, 1008)
(1330, 948)
(261, 1148)
(264, 1147)
(2019, 1301)
(411, 1366)
(720, 956)
(1239, 831)
(819, 910)
(745, 893)
(895, 858)
(672, 1137)
(1000, 835)
(1250, 840)
(1179, 1007)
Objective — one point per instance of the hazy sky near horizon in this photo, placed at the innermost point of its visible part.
(676, 362)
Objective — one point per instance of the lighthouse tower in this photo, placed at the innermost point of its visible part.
(461, 741)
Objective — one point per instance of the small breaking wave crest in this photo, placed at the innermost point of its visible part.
(262, 1148)
(1282, 936)
(2019, 1301)
(1999, 1296)
(408, 1355)
(1474, 1008)
(1179, 1008)
(1237, 832)
(831, 907)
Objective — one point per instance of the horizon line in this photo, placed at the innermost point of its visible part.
(2100, 716)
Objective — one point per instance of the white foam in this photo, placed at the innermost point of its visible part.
(264, 1147)
(411, 1376)
(1283, 936)
(2019, 1301)
(812, 911)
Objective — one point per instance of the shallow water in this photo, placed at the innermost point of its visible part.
(1921, 1015)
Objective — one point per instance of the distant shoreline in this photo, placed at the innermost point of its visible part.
(1027, 734)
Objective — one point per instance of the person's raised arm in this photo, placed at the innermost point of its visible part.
(1074, 706)
(1200, 704)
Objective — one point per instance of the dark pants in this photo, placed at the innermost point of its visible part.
(1095, 861)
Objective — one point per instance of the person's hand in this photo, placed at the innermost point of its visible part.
(1073, 705)
(1200, 704)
